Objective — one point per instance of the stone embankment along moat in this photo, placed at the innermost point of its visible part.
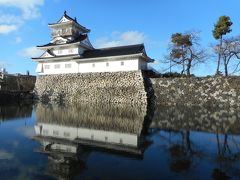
(116, 87)
(136, 88)
(10, 82)
(197, 91)
(16, 88)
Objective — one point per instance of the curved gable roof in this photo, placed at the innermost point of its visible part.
(116, 51)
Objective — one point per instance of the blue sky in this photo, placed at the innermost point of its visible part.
(23, 25)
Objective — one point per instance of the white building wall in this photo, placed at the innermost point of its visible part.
(68, 51)
(86, 67)
(109, 66)
(59, 68)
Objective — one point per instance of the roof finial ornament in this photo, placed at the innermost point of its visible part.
(65, 12)
(75, 19)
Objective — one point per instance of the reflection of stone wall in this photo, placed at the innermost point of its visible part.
(197, 118)
(15, 111)
(220, 90)
(124, 119)
(117, 87)
(18, 83)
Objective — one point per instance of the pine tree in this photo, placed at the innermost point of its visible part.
(221, 28)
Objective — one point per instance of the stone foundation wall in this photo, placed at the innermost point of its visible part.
(197, 91)
(117, 87)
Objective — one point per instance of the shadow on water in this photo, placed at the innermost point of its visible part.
(69, 134)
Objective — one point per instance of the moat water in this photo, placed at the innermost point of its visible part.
(101, 142)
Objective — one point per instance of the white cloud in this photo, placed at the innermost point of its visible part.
(10, 19)
(120, 39)
(5, 29)
(30, 52)
(29, 8)
(9, 22)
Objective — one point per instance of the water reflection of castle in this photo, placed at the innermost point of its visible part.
(69, 134)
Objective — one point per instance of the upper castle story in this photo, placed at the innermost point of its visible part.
(70, 51)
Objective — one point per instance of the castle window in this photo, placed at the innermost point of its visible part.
(70, 51)
(93, 65)
(68, 65)
(57, 66)
(55, 133)
(64, 31)
(45, 132)
(122, 63)
(46, 66)
(66, 134)
(107, 64)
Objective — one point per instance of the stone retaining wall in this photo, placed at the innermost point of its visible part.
(118, 87)
(197, 91)
(17, 83)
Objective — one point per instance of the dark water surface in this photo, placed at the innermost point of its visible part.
(101, 142)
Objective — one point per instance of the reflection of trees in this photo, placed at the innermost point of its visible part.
(217, 174)
(228, 151)
(223, 122)
(185, 154)
(181, 153)
(64, 167)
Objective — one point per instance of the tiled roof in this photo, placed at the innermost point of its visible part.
(70, 19)
(115, 51)
(78, 39)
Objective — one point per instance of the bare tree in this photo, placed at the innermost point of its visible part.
(230, 51)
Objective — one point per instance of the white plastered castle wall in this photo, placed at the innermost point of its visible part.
(86, 67)
(109, 66)
(67, 51)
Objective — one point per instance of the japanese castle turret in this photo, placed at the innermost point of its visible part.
(70, 51)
